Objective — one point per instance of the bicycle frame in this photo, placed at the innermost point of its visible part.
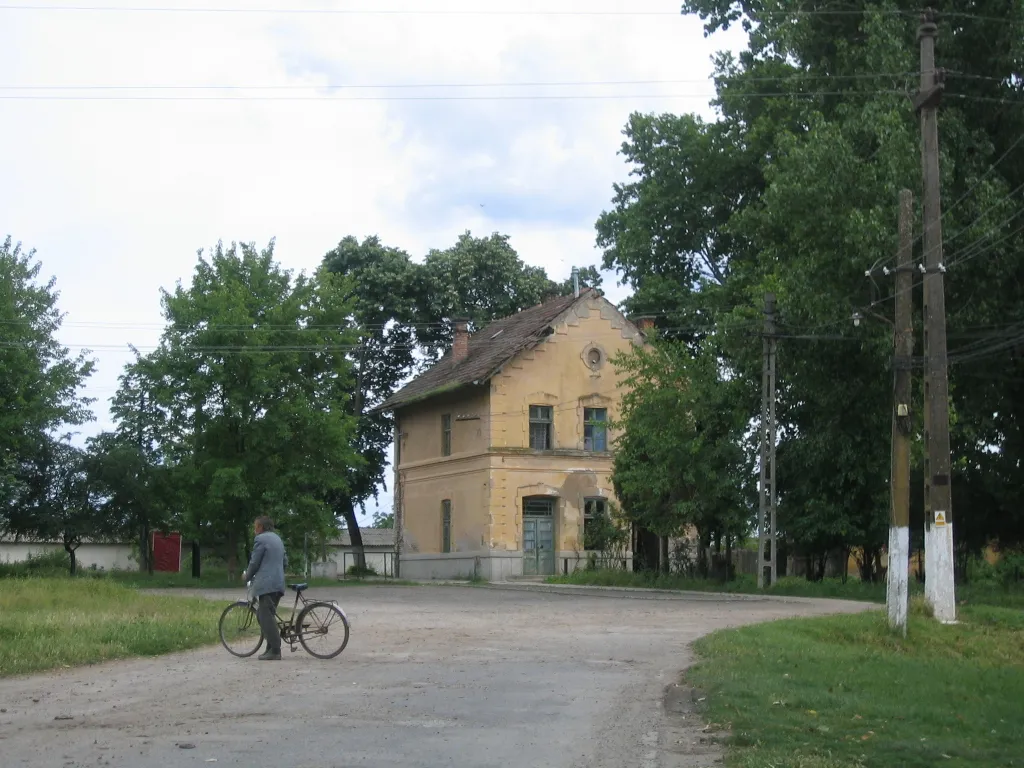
(289, 632)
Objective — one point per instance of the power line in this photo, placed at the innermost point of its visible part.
(397, 12)
(323, 11)
(796, 13)
(409, 86)
(494, 97)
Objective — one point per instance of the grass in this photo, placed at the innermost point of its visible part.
(844, 691)
(48, 623)
(55, 565)
(984, 593)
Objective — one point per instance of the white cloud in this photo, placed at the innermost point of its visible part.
(117, 196)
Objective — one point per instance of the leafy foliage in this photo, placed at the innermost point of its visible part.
(479, 278)
(680, 459)
(55, 503)
(381, 285)
(39, 379)
(248, 396)
(794, 189)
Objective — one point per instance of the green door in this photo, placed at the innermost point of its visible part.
(538, 537)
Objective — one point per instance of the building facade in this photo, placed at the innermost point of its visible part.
(504, 447)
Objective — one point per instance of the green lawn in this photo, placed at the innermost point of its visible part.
(843, 691)
(985, 593)
(55, 565)
(61, 622)
(212, 578)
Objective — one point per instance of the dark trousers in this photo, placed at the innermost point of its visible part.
(267, 616)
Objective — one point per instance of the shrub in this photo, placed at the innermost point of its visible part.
(358, 572)
(55, 563)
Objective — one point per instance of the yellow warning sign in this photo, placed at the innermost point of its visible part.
(940, 518)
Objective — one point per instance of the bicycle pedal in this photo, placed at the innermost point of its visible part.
(293, 648)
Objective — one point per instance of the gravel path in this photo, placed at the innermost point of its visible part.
(433, 676)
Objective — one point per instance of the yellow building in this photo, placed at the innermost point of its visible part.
(503, 449)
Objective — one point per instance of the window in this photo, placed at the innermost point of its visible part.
(446, 435)
(595, 524)
(446, 525)
(595, 429)
(540, 427)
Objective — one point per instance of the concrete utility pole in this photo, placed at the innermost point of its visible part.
(898, 574)
(146, 548)
(938, 522)
(397, 501)
(767, 550)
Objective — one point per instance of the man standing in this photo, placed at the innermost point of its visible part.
(266, 570)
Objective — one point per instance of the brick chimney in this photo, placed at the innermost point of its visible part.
(460, 347)
(644, 322)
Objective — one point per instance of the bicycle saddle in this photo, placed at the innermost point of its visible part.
(298, 587)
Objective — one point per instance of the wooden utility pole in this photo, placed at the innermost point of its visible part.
(767, 550)
(898, 573)
(938, 522)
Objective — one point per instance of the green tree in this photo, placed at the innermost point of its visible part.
(381, 290)
(248, 395)
(680, 461)
(40, 380)
(56, 502)
(794, 189)
(133, 492)
(479, 278)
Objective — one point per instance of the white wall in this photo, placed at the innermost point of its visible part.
(109, 557)
(380, 561)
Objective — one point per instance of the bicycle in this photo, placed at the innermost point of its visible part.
(238, 621)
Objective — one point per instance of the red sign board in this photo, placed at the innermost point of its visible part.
(167, 552)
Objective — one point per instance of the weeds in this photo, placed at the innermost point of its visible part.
(844, 690)
(60, 622)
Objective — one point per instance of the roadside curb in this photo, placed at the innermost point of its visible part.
(631, 593)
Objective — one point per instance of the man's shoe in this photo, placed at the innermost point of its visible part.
(270, 656)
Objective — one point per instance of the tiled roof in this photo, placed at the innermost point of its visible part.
(489, 349)
(372, 537)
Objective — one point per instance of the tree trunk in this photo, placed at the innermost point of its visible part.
(730, 571)
(196, 561)
(348, 511)
(70, 548)
(232, 555)
(144, 558)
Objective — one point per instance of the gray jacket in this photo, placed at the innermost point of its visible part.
(267, 564)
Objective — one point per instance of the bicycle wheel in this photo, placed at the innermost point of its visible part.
(240, 630)
(313, 628)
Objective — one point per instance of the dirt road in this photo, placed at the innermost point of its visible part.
(433, 676)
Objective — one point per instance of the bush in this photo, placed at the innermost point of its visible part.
(1010, 568)
(359, 572)
(1008, 571)
(56, 563)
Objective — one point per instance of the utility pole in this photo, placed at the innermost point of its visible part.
(767, 550)
(938, 524)
(146, 550)
(397, 510)
(898, 573)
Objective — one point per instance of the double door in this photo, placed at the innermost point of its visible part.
(538, 537)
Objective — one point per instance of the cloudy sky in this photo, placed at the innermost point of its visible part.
(135, 133)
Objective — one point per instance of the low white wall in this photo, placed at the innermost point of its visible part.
(108, 557)
(569, 561)
(381, 562)
(490, 566)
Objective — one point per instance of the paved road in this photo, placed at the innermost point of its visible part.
(433, 676)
